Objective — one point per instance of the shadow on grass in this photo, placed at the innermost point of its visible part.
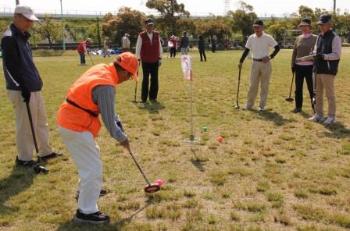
(18, 181)
(152, 108)
(71, 225)
(197, 162)
(272, 116)
(337, 131)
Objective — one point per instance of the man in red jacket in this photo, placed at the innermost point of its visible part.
(149, 53)
(82, 50)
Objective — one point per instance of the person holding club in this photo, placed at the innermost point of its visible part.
(327, 53)
(149, 53)
(24, 85)
(258, 44)
(79, 124)
(82, 49)
(304, 45)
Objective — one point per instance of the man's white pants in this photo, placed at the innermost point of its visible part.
(86, 155)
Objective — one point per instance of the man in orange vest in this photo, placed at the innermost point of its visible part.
(149, 52)
(78, 120)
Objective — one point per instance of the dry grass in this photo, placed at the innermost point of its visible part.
(274, 171)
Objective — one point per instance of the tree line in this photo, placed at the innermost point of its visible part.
(173, 18)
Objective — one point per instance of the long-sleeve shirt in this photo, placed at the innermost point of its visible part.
(304, 44)
(104, 97)
(19, 68)
(139, 45)
(336, 50)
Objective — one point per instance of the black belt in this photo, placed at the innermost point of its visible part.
(258, 60)
(92, 113)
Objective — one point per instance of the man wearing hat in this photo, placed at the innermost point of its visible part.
(327, 56)
(24, 86)
(149, 52)
(259, 44)
(79, 124)
(303, 46)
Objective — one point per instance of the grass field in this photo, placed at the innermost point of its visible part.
(275, 170)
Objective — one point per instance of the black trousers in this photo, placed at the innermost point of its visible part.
(152, 92)
(82, 58)
(172, 52)
(202, 54)
(301, 73)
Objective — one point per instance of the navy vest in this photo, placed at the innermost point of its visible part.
(324, 46)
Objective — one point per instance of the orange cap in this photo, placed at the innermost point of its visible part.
(128, 62)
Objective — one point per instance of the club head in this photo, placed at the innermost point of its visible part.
(289, 99)
(237, 107)
(152, 188)
(40, 169)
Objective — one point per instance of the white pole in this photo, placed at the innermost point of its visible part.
(63, 42)
(191, 104)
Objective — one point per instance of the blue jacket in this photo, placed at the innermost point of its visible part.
(19, 69)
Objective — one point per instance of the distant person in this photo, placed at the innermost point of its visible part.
(78, 118)
(106, 47)
(126, 42)
(303, 46)
(149, 52)
(328, 53)
(24, 85)
(83, 49)
(172, 43)
(184, 44)
(259, 44)
(201, 48)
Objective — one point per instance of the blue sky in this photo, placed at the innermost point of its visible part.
(196, 7)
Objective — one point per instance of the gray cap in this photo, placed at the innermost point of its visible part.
(26, 11)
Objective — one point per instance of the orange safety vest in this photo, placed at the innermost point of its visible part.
(79, 112)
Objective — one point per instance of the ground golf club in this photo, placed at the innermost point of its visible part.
(149, 188)
(238, 84)
(37, 167)
(290, 99)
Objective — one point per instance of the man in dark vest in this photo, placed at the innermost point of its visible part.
(149, 52)
(328, 52)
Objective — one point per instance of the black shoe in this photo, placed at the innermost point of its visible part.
(154, 101)
(297, 110)
(48, 157)
(25, 163)
(103, 192)
(93, 218)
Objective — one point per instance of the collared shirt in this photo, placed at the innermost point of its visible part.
(139, 45)
(259, 46)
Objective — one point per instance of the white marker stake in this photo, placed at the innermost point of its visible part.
(186, 65)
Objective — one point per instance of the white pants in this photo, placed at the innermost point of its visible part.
(86, 155)
(24, 136)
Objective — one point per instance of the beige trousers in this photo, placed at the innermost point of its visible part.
(326, 82)
(260, 73)
(24, 138)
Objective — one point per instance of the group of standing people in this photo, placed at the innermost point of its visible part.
(315, 58)
(93, 94)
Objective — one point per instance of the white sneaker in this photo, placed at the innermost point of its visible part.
(261, 108)
(247, 108)
(316, 118)
(329, 121)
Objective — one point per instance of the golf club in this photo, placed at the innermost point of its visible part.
(149, 188)
(290, 99)
(92, 62)
(135, 94)
(238, 84)
(37, 167)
